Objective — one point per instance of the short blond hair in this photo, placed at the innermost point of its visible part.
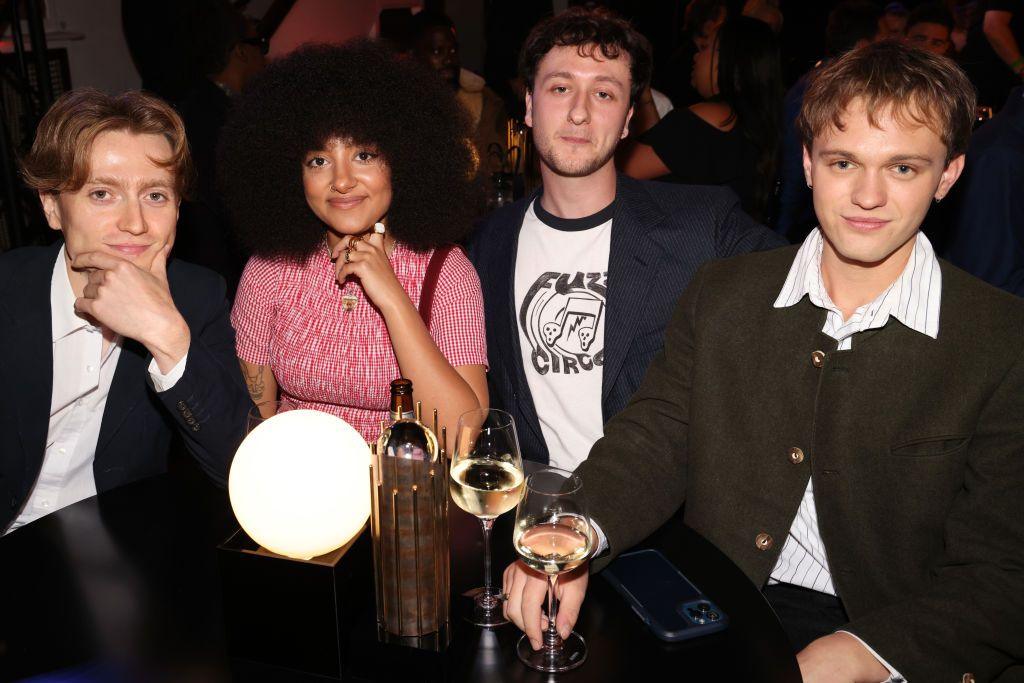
(59, 158)
(913, 85)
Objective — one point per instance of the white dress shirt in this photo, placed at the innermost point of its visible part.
(913, 299)
(83, 368)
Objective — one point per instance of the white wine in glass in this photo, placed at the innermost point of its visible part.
(486, 480)
(486, 488)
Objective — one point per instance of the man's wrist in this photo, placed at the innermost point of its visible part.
(170, 344)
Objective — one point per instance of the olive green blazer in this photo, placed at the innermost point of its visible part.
(915, 446)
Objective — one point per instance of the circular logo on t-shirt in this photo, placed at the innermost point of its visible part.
(562, 315)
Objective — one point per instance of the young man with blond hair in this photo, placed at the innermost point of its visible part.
(846, 414)
(106, 345)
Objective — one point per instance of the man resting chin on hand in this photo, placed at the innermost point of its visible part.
(113, 344)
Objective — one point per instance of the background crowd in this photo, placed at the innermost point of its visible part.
(721, 109)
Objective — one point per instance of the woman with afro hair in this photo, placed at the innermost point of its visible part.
(345, 170)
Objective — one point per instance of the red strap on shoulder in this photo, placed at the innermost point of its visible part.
(437, 260)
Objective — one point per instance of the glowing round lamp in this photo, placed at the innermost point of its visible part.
(300, 483)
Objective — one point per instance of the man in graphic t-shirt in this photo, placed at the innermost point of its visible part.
(580, 278)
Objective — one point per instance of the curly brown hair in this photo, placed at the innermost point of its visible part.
(361, 92)
(589, 30)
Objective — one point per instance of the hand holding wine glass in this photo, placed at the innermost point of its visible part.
(553, 536)
(486, 481)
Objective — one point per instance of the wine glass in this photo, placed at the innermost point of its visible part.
(486, 481)
(552, 535)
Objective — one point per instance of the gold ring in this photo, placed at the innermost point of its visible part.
(348, 254)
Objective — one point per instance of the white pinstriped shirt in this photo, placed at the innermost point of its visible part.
(913, 299)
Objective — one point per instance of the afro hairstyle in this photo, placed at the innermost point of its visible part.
(362, 92)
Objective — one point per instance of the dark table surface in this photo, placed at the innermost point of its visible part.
(125, 587)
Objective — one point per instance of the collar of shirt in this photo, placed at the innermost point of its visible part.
(62, 302)
(913, 298)
(64, 320)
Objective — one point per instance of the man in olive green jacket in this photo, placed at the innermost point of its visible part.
(845, 420)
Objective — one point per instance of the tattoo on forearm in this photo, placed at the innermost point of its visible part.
(254, 380)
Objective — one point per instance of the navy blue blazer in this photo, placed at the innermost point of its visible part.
(661, 234)
(208, 405)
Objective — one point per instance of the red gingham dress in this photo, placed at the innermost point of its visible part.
(290, 315)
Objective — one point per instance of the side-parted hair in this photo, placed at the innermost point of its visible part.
(589, 31)
(59, 158)
(914, 86)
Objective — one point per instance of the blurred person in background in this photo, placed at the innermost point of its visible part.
(227, 52)
(434, 42)
(729, 138)
(852, 24)
(993, 56)
(893, 22)
(988, 239)
(930, 27)
(348, 174)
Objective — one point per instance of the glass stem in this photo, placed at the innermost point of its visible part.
(488, 590)
(552, 641)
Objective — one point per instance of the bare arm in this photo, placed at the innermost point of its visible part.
(259, 379)
(640, 161)
(451, 391)
(645, 114)
(996, 26)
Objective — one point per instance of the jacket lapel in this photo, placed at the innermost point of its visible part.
(507, 324)
(28, 343)
(631, 273)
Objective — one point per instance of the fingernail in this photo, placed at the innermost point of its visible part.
(564, 632)
(535, 644)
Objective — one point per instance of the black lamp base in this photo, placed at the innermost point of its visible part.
(292, 613)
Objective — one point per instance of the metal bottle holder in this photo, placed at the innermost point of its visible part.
(409, 522)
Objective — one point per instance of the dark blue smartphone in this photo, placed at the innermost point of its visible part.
(671, 606)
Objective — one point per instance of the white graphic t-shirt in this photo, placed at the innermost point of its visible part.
(560, 285)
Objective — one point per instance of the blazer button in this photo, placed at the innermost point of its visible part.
(195, 428)
(190, 420)
(181, 405)
(796, 456)
(763, 541)
(818, 358)
(967, 678)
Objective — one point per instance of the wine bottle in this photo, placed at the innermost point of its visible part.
(406, 437)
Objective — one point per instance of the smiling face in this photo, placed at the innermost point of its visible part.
(579, 110)
(128, 205)
(348, 187)
(872, 187)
